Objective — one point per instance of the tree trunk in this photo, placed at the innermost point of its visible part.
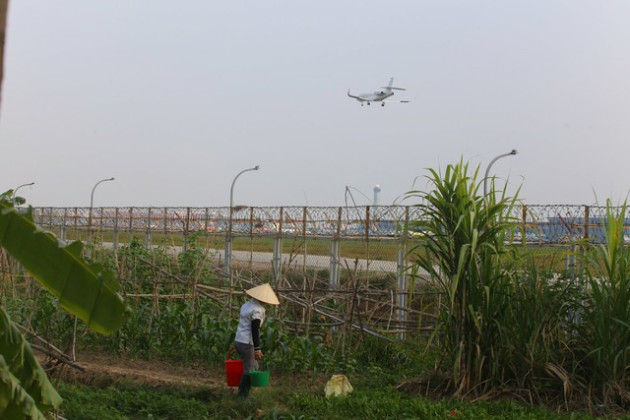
(4, 5)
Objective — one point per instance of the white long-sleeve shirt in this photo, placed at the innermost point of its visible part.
(252, 309)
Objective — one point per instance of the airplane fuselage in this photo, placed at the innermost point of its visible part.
(372, 97)
(378, 96)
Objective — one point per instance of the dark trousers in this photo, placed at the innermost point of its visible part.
(246, 352)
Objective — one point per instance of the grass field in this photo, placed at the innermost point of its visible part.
(378, 249)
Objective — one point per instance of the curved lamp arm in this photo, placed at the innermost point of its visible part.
(485, 178)
(255, 168)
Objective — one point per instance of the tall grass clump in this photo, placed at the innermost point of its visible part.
(462, 250)
(508, 323)
(537, 333)
(604, 328)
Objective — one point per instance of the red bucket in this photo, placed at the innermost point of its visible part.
(233, 370)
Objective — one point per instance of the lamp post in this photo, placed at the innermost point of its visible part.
(228, 237)
(92, 202)
(73, 345)
(17, 188)
(485, 178)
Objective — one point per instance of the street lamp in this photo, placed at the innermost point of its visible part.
(92, 201)
(74, 332)
(485, 178)
(228, 237)
(16, 189)
(96, 185)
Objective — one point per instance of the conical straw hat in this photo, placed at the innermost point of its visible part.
(264, 293)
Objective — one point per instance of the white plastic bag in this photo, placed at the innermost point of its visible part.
(338, 385)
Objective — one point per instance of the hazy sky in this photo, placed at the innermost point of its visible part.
(174, 98)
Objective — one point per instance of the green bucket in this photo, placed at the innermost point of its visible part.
(259, 377)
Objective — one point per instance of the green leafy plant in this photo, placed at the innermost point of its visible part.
(192, 259)
(604, 330)
(24, 387)
(87, 291)
(463, 243)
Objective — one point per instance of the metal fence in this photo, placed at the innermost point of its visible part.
(304, 236)
(369, 243)
(366, 238)
(557, 224)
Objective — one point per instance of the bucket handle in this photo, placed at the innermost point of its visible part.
(230, 353)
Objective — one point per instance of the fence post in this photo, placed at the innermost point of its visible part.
(251, 240)
(334, 253)
(367, 245)
(131, 220)
(116, 230)
(304, 214)
(186, 228)
(227, 259)
(75, 223)
(147, 234)
(524, 225)
(165, 221)
(401, 275)
(277, 257)
(586, 221)
(63, 224)
(277, 250)
(100, 225)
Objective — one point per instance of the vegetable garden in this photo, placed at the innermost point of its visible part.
(485, 319)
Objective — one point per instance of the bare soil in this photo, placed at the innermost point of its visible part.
(104, 370)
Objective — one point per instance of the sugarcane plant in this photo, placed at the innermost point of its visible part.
(461, 249)
(603, 347)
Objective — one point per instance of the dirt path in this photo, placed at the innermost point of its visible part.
(104, 370)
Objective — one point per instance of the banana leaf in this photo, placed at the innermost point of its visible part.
(86, 290)
(25, 391)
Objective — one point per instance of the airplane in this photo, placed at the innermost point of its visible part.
(378, 96)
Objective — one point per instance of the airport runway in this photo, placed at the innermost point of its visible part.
(296, 261)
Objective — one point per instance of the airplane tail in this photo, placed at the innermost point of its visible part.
(389, 87)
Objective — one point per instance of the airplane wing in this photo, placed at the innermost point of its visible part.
(400, 102)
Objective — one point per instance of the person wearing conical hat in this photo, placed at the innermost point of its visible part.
(247, 340)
